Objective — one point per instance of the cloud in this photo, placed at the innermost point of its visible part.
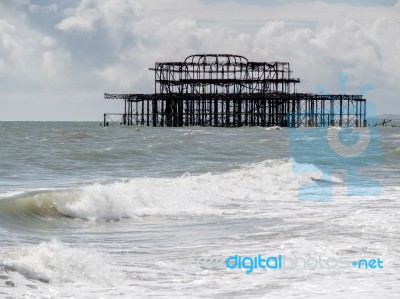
(354, 44)
(8, 42)
(13, 49)
(89, 47)
(54, 62)
(364, 48)
(81, 22)
(47, 9)
(48, 42)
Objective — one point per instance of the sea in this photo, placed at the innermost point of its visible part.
(197, 212)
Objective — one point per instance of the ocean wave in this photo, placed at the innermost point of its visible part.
(55, 262)
(78, 135)
(272, 128)
(38, 204)
(222, 193)
(395, 152)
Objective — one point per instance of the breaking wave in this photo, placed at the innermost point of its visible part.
(224, 193)
(56, 262)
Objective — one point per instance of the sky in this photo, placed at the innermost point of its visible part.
(58, 58)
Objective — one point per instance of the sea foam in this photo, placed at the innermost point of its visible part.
(225, 193)
(58, 263)
(231, 192)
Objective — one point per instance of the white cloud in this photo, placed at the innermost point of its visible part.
(48, 9)
(5, 26)
(12, 48)
(27, 64)
(54, 62)
(7, 41)
(82, 19)
(364, 48)
(82, 22)
(48, 42)
(316, 54)
(119, 14)
(107, 46)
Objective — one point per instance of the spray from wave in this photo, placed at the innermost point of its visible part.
(56, 262)
(226, 193)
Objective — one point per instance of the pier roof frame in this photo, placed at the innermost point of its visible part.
(222, 73)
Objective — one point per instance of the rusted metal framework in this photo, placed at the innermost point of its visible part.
(229, 91)
(222, 74)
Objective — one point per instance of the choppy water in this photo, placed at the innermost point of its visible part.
(93, 212)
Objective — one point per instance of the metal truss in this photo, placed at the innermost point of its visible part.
(229, 91)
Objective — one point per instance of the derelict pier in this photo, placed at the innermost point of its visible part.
(224, 90)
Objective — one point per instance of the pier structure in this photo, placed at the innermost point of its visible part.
(224, 90)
